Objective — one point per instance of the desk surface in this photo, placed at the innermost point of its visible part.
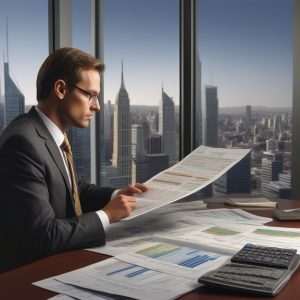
(16, 284)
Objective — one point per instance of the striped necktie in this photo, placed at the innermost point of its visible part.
(65, 146)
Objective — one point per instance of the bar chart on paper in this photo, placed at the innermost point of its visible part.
(181, 256)
(175, 260)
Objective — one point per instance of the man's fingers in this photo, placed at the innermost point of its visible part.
(138, 188)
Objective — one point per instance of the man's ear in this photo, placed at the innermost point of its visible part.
(60, 88)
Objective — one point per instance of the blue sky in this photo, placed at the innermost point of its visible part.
(245, 47)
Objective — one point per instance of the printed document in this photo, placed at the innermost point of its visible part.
(121, 278)
(157, 271)
(232, 237)
(197, 170)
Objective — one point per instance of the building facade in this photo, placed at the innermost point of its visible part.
(14, 99)
(121, 158)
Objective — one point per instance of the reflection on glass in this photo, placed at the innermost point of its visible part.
(245, 90)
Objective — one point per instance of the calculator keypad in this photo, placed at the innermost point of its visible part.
(265, 256)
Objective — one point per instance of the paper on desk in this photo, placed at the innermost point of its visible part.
(117, 277)
(229, 238)
(130, 236)
(176, 260)
(69, 291)
(61, 297)
(197, 170)
(228, 215)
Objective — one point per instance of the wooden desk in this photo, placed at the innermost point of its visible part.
(16, 284)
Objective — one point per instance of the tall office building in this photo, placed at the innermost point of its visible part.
(153, 123)
(137, 141)
(198, 105)
(139, 166)
(108, 130)
(154, 144)
(248, 115)
(1, 112)
(81, 148)
(271, 167)
(237, 179)
(167, 127)
(14, 99)
(145, 167)
(280, 188)
(210, 117)
(122, 136)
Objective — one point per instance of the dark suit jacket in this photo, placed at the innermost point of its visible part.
(37, 217)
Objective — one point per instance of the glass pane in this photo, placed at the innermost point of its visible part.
(141, 89)
(245, 81)
(24, 41)
(81, 39)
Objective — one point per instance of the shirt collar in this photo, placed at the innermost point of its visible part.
(56, 133)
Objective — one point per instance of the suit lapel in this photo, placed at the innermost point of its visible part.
(50, 145)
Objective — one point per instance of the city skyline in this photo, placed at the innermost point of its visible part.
(264, 134)
(231, 56)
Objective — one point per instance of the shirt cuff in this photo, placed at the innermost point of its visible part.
(114, 194)
(103, 216)
(104, 219)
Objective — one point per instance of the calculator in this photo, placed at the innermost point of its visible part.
(248, 271)
(265, 256)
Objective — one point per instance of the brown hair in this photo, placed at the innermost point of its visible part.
(66, 64)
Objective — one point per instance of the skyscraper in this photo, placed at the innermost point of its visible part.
(14, 99)
(1, 111)
(237, 179)
(138, 161)
(137, 141)
(81, 146)
(271, 167)
(153, 144)
(210, 117)
(248, 115)
(122, 136)
(167, 126)
(108, 130)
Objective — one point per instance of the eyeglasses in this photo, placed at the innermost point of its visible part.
(92, 97)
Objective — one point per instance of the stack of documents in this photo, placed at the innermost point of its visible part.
(162, 264)
(162, 254)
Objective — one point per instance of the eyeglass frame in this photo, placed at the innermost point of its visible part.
(92, 97)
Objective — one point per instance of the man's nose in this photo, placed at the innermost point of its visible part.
(96, 105)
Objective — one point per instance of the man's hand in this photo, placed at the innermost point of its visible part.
(138, 188)
(124, 203)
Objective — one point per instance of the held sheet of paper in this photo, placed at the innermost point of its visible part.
(197, 170)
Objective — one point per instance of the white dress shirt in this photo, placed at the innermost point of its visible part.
(58, 137)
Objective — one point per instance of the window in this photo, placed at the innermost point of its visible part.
(141, 89)
(24, 37)
(245, 67)
(81, 38)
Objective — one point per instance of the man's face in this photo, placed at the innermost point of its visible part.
(77, 108)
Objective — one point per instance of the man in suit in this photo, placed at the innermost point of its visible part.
(43, 209)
